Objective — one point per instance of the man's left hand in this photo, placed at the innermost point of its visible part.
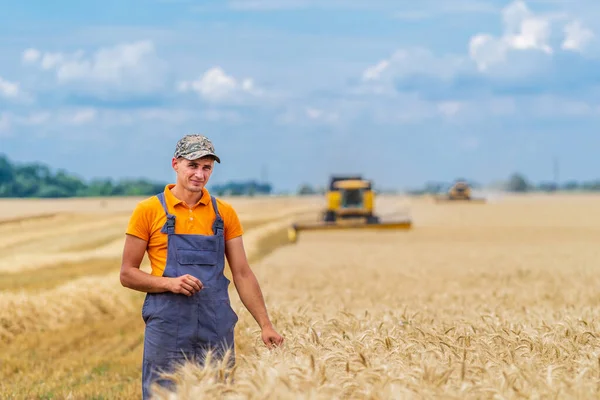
(271, 338)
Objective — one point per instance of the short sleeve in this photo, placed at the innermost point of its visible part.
(233, 226)
(139, 222)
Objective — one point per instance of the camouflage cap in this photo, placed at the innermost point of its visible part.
(192, 147)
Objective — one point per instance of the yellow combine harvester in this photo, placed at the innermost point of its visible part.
(460, 191)
(350, 205)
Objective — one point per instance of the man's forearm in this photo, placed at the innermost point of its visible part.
(251, 295)
(136, 279)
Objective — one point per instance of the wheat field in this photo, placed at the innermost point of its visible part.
(478, 301)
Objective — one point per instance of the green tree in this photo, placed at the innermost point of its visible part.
(6, 171)
(306, 189)
(517, 183)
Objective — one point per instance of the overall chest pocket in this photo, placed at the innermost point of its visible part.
(196, 257)
(197, 250)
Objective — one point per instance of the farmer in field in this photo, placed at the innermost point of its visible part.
(187, 234)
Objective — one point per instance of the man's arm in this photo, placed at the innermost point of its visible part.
(134, 278)
(249, 290)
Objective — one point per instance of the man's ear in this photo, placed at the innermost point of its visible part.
(175, 163)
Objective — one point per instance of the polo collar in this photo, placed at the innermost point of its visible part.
(172, 201)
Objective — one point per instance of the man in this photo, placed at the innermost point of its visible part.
(187, 234)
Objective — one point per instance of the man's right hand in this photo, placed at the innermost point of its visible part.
(185, 284)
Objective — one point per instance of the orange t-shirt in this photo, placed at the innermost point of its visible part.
(149, 217)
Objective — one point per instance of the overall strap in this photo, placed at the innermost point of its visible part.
(218, 225)
(169, 226)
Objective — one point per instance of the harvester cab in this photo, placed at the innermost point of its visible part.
(460, 191)
(349, 198)
(350, 204)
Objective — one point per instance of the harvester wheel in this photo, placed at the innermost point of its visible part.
(372, 219)
(329, 216)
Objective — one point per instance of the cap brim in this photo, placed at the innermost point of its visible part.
(200, 154)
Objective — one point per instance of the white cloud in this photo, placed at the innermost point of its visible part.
(216, 86)
(79, 117)
(522, 31)
(317, 114)
(525, 31)
(330, 114)
(520, 59)
(125, 67)
(374, 72)
(486, 50)
(31, 56)
(9, 89)
(415, 61)
(450, 108)
(347, 112)
(62, 117)
(576, 36)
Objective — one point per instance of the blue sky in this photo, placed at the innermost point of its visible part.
(402, 92)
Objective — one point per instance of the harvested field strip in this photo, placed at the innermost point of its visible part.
(272, 213)
(280, 220)
(25, 218)
(72, 243)
(98, 239)
(80, 301)
(56, 275)
(256, 223)
(34, 261)
(268, 244)
(92, 298)
(16, 208)
(97, 359)
(93, 245)
(60, 229)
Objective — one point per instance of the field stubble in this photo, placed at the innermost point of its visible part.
(492, 301)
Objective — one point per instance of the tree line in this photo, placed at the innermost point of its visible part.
(517, 183)
(39, 181)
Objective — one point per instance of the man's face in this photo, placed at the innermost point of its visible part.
(193, 175)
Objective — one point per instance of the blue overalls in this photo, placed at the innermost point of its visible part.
(179, 327)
